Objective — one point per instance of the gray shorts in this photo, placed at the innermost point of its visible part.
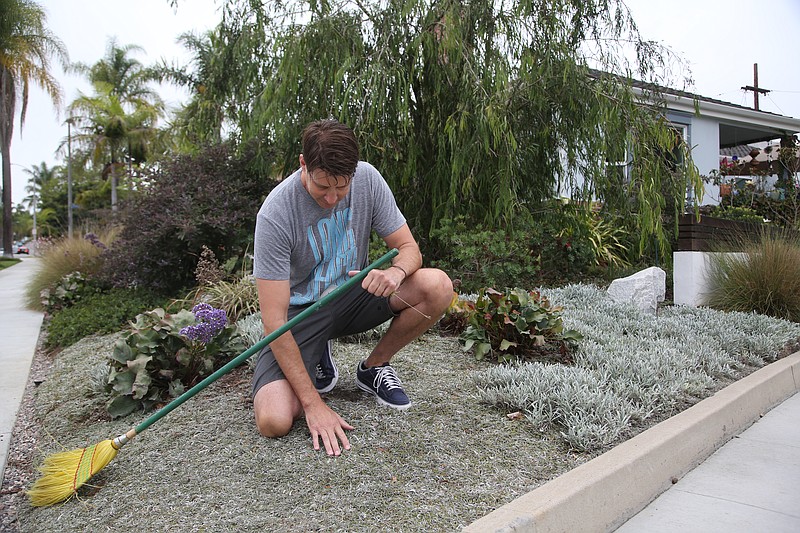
(353, 312)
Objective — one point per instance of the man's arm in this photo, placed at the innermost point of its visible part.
(322, 421)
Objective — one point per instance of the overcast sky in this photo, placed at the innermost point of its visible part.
(719, 39)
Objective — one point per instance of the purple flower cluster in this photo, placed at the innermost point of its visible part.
(210, 322)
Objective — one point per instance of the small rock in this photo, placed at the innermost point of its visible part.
(644, 289)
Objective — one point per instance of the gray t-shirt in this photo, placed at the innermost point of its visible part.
(315, 248)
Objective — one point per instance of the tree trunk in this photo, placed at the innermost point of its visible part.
(8, 236)
(113, 184)
(7, 103)
(113, 189)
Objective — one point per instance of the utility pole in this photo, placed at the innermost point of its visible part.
(755, 88)
(69, 177)
(34, 233)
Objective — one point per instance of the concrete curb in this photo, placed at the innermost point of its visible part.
(602, 494)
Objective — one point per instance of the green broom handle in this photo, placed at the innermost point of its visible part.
(233, 363)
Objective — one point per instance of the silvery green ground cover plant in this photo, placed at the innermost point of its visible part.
(631, 366)
(451, 459)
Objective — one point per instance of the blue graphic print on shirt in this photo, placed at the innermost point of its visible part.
(333, 243)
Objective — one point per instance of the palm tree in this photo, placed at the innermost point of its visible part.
(128, 78)
(26, 47)
(39, 176)
(119, 120)
(209, 80)
(111, 130)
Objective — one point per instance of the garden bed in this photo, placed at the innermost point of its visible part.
(439, 466)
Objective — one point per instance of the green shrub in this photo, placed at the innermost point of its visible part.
(557, 244)
(483, 257)
(737, 213)
(608, 241)
(98, 313)
(164, 354)
(516, 324)
(65, 256)
(764, 277)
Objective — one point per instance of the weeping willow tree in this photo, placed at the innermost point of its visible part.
(481, 108)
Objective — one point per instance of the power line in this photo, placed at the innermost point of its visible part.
(776, 105)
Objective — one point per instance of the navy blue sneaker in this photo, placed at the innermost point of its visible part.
(327, 374)
(382, 381)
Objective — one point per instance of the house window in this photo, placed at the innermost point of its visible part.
(675, 157)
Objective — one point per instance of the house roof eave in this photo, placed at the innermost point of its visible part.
(737, 124)
(733, 113)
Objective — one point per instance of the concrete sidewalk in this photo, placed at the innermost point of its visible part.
(19, 332)
(750, 484)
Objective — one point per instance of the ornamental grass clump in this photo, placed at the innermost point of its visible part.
(235, 294)
(64, 257)
(763, 278)
(238, 297)
(167, 353)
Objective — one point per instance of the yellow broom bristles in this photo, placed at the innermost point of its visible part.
(64, 472)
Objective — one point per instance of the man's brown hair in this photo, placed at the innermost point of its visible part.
(331, 146)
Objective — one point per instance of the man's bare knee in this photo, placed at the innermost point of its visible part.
(445, 284)
(275, 408)
(273, 426)
(439, 288)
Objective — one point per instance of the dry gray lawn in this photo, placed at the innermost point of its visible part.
(436, 467)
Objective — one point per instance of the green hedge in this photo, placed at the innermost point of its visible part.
(99, 314)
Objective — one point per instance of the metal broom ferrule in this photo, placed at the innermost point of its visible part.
(123, 439)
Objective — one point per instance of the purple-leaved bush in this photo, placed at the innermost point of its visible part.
(209, 199)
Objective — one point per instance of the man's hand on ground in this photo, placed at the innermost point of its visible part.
(324, 423)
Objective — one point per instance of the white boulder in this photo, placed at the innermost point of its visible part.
(644, 289)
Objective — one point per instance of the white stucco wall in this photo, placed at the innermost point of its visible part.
(690, 277)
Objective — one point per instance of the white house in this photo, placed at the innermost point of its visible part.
(709, 126)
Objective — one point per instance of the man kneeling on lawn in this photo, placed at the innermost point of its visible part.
(312, 233)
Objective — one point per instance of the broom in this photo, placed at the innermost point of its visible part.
(63, 473)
